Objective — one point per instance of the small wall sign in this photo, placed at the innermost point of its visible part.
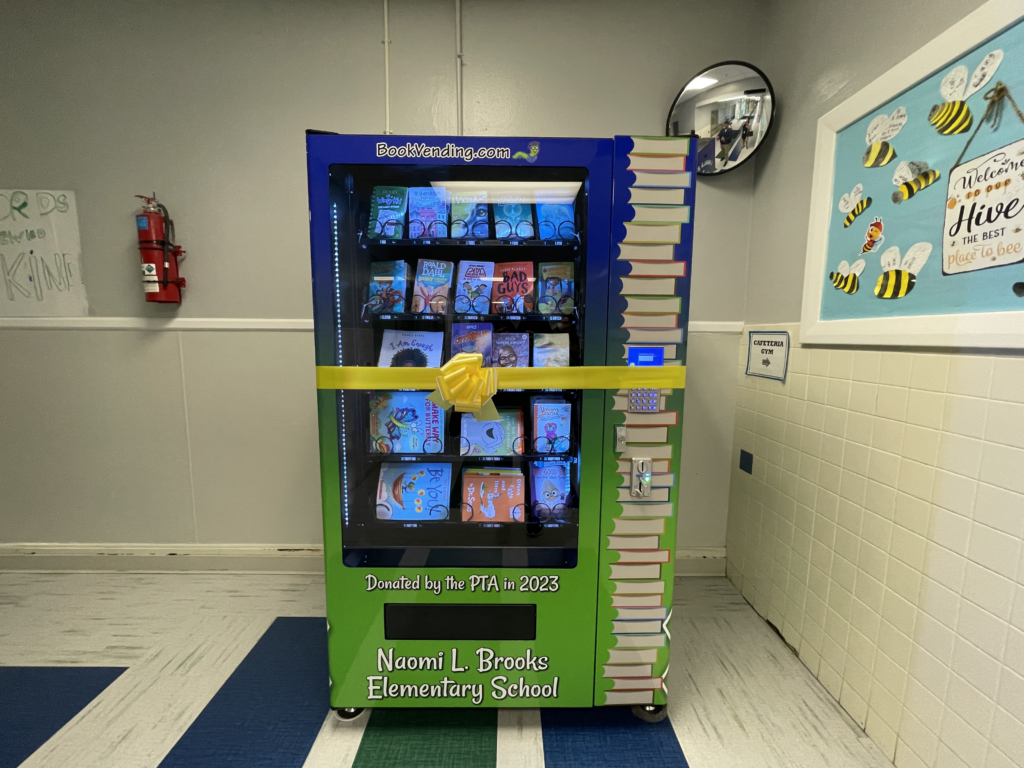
(768, 354)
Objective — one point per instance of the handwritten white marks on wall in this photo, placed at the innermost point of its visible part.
(40, 254)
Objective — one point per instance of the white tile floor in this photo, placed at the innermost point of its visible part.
(739, 696)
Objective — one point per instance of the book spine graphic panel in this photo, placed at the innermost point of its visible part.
(650, 277)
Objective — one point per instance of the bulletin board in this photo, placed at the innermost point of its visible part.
(917, 219)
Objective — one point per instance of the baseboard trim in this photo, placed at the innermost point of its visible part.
(156, 324)
(192, 558)
(703, 561)
(162, 558)
(232, 324)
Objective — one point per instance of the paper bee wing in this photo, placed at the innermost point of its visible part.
(848, 201)
(844, 268)
(858, 267)
(875, 128)
(954, 84)
(896, 122)
(984, 72)
(891, 259)
(916, 257)
(906, 171)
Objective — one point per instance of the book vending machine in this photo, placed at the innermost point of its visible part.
(500, 346)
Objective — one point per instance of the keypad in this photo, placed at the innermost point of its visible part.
(644, 400)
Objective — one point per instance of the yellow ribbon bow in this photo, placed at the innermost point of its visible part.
(467, 385)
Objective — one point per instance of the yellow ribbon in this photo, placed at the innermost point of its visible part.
(466, 383)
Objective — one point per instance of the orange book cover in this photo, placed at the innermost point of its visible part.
(493, 498)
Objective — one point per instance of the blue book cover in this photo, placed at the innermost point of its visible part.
(510, 350)
(472, 338)
(413, 491)
(405, 422)
(428, 212)
(389, 283)
(556, 218)
(469, 215)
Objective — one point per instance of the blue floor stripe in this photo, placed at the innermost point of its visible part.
(607, 737)
(269, 712)
(36, 702)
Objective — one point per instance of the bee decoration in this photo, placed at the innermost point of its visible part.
(898, 277)
(873, 238)
(881, 131)
(852, 205)
(847, 278)
(911, 178)
(954, 116)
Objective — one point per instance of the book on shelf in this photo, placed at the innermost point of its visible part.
(556, 218)
(513, 217)
(428, 212)
(412, 490)
(501, 437)
(387, 212)
(472, 338)
(411, 349)
(493, 495)
(469, 215)
(551, 423)
(433, 282)
(473, 287)
(405, 422)
(549, 489)
(513, 287)
(550, 350)
(389, 283)
(510, 350)
(555, 292)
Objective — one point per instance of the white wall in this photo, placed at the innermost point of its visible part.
(881, 530)
(209, 437)
(817, 54)
(881, 533)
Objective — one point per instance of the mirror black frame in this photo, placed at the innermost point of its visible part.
(771, 116)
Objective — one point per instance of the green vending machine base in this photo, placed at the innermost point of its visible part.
(500, 348)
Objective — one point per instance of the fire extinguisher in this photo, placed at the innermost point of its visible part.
(160, 280)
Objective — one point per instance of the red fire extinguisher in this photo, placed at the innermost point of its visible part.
(160, 280)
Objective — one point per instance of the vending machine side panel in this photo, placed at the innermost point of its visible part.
(649, 297)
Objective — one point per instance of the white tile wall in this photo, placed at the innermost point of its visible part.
(881, 533)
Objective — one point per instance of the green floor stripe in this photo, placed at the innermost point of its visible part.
(429, 738)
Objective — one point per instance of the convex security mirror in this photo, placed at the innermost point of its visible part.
(730, 107)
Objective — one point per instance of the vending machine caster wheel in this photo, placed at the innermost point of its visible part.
(651, 713)
(348, 713)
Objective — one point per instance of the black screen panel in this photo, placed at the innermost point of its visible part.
(426, 621)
